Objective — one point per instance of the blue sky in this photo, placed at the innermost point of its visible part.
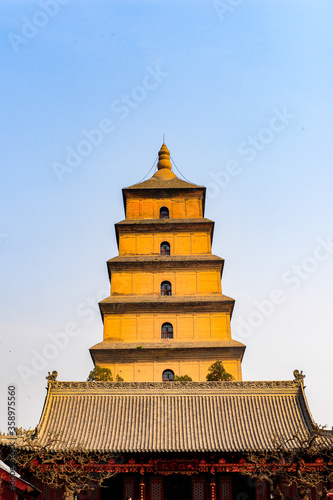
(243, 92)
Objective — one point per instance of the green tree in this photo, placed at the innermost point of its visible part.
(217, 372)
(100, 374)
(182, 378)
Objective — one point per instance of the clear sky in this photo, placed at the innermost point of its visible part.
(243, 92)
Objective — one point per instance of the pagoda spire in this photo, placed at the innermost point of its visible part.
(164, 158)
(164, 167)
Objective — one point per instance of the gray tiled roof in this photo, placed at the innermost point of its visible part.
(174, 416)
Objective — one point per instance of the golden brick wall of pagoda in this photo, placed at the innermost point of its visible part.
(179, 208)
(147, 327)
(135, 345)
(149, 244)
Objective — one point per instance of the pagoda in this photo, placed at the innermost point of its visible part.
(165, 318)
(166, 314)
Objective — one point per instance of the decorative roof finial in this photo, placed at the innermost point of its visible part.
(52, 377)
(299, 377)
(164, 158)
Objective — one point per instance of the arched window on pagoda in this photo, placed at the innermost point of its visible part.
(167, 375)
(166, 288)
(167, 331)
(164, 213)
(165, 248)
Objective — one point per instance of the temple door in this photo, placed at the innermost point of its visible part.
(129, 488)
(156, 489)
(198, 489)
(225, 488)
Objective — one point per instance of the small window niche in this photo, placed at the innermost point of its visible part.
(164, 213)
(167, 331)
(165, 248)
(166, 288)
(167, 375)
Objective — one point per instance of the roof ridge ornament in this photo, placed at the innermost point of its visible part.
(52, 377)
(164, 158)
(299, 377)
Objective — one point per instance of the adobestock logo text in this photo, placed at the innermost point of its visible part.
(32, 26)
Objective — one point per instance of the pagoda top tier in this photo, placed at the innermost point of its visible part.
(164, 183)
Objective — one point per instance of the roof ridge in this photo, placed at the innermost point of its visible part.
(170, 385)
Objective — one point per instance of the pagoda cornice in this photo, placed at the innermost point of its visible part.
(167, 345)
(164, 225)
(156, 187)
(121, 304)
(198, 258)
(162, 262)
(115, 352)
(157, 223)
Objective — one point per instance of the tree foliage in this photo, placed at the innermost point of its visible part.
(217, 372)
(182, 378)
(59, 463)
(100, 374)
(303, 461)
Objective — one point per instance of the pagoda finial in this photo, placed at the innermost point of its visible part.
(164, 158)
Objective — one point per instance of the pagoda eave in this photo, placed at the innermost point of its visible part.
(159, 223)
(106, 352)
(164, 262)
(159, 304)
